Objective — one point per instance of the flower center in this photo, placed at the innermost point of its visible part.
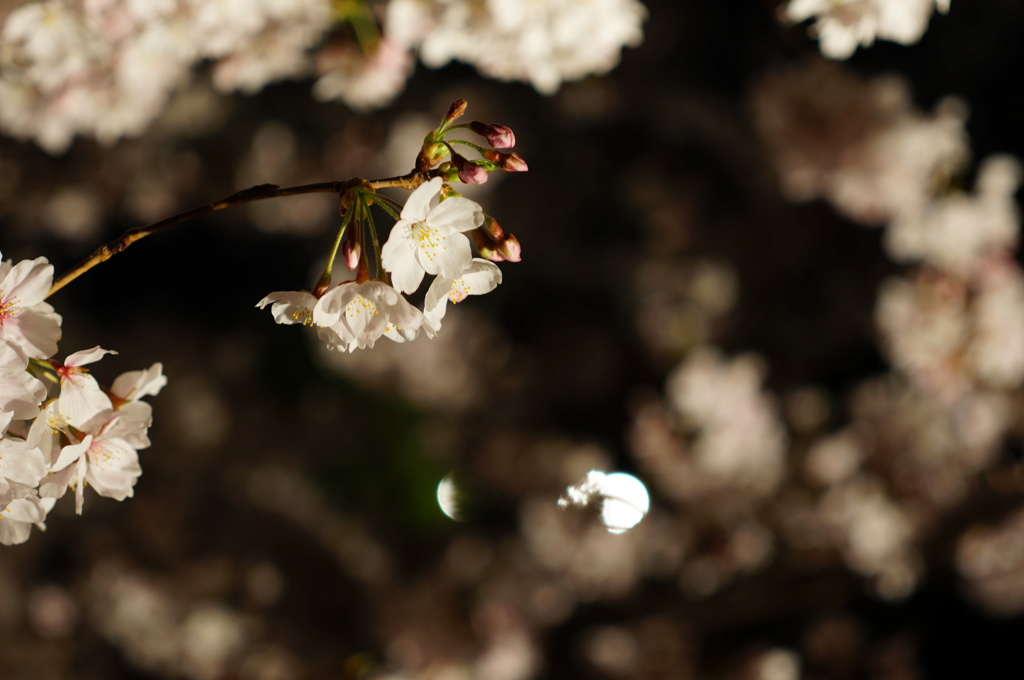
(458, 292)
(8, 308)
(358, 306)
(303, 316)
(427, 238)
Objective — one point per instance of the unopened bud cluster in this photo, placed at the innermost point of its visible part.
(434, 234)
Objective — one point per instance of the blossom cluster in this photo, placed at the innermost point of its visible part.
(79, 435)
(107, 68)
(429, 238)
(432, 235)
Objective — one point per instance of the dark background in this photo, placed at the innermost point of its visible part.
(296, 499)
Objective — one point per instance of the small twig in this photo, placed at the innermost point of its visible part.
(260, 192)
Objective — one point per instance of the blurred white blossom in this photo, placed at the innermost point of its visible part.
(543, 43)
(859, 144)
(955, 232)
(841, 26)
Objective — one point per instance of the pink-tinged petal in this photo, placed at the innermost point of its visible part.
(81, 402)
(55, 484)
(36, 330)
(131, 423)
(80, 471)
(87, 356)
(456, 214)
(21, 463)
(135, 385)
(43, 435)
(12, 357)
(20, 393)
(72, 453)
(28, 282)
(113, 468)
(17, 519)
(422, 200)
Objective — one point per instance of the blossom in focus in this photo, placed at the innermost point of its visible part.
(543, 43)
(21, 468)
(81, 400)
(296, 307)
(290, 307)
(25, 319)
(358, 314)
(135, 385)
(20, 392)
(481, 277)
(843, 25)
(428, 239)
(102, 454)
(18, 518)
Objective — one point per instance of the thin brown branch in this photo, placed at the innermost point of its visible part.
(260, 192)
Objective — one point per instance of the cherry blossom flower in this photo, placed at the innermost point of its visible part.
(22, 466)
(357, 314)
(134, 385)
(481, 277)
(296, 307)
(126, 394)
(290, 307)
(81, 400)
(25, 319)
(428, 239)
(20, 393)
(18, 518)
(104, 456)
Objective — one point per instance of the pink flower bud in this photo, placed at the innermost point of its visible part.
(351, 251)
(494, 244)
(511, 249)
(469, 172)
(509, 162)
(498, 136)
(456, 110)
(513, 162)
